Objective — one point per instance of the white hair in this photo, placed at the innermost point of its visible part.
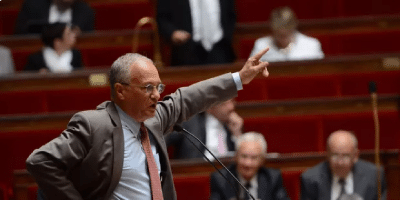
(252, 137)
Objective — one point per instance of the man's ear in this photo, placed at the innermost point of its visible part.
(119, 91)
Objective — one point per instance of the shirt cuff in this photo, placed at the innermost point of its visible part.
(238, 81)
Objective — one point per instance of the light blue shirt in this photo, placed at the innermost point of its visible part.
(135, 179)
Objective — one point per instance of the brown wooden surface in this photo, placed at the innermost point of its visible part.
(58, 121)
(284, 162)
(80, 79)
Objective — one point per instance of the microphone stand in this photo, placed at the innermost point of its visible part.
(374, 99)
(179, 128)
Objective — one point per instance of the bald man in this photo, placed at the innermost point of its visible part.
(114, 151)
(262, 183)
(342, 173)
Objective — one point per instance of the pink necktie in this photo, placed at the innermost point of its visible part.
(151, 163)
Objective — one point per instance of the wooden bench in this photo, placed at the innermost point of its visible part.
(84, 79)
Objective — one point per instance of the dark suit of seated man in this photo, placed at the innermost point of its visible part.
(36, 13)
(263, 183)
(217, 128)
(343, 173)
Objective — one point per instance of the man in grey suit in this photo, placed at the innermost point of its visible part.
(343, 173)
(101, 153)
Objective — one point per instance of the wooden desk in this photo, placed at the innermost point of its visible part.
(59, 121)
(80, 79)
(284, 162)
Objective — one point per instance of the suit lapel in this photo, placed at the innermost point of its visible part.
(263, 180)
(118, 148)
(358, 179)
(326, 182)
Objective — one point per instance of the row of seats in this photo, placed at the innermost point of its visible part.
(114, 15)
(273, 88)
(332, 45)
(284, 134)
(198, 187)
(308, 133)
(109, 16)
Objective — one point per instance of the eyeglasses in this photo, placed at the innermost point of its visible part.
(149, 87)
(344, 157)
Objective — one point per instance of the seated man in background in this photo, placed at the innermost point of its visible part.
(57, 55)
(343, 173)
(217, 128)
(36, 13)
(286, 43)
(6, 61)
(263, 183)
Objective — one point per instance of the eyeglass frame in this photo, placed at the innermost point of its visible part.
(149, 87)
(335, 157)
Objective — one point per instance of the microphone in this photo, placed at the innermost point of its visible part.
(374, 99)
(179, 128)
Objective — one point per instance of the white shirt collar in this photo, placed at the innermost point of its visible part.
(128, 121)
(56, 16)
(57, 63)
(336, 188)
(253, 184)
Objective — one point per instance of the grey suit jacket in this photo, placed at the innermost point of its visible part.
(184, 149)
(85, 161)
(270, 185)
(316, 182)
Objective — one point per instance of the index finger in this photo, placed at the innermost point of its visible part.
(260, 54)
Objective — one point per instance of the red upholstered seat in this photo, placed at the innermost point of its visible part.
(357, 84)
(290, 87)
(291, 181)
(32, 192)
(118, 16)
(105, 56)
(287, 134)
(362, 125)
(3, 192)
(23, 102)
(20, 58)
(8, 18)
(192, 187)
(15, 147)
(77, 99)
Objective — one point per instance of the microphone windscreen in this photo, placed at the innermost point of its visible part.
(372, 87)
(178, 128)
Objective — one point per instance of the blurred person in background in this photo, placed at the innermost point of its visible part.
(342, 173)
(199, 31)
(217, 128)
(35, 14)
(263, 183)
(285, 42)
(57, 54)
(6, 61)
